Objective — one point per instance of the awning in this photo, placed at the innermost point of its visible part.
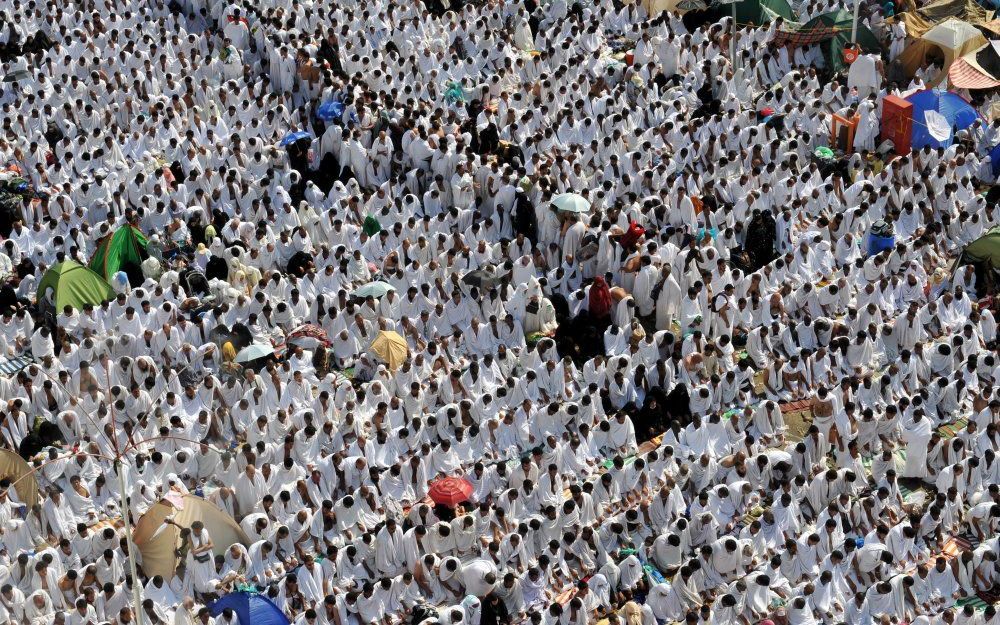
(964, 75)
(977, 70)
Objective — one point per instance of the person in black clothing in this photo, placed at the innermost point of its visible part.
(329, 51)
(494, 612)
(760, 239)
(524, 216)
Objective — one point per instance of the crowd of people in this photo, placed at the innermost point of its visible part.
(641, 321)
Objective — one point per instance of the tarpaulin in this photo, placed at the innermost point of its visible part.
(919, 21)
(16, 469)
(158, 541)
(958, 114)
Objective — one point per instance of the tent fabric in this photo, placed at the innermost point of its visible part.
(126, 245)
(919, 21)
(985, 249)
(959, 114)
(977, 70)
(953, 38)
(74, 285)
(987, 59)
(965, 75)
(251, 609)
(762, 11)
(990, 28)
(833, 30)
(952, 33)
(158, 541)
(655, 7)
(995, 160)
(16, 469)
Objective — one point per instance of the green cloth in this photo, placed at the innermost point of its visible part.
(976, 602)
(371, 227)
(835, 27)
(74, 285)
(985, 249)
(126, 245)
(454, 93)
(760, 12)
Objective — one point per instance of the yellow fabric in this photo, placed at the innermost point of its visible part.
(391, 348)
(20, 473)
(655, 7)
(158, 541)
(228, 352)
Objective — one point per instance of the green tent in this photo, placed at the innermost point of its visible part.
(833, 31)
(985, 249)
(984, 255)
(74, 285)
(758, 12)
(122, 250)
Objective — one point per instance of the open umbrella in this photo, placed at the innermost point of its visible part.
(374, 289)
(571, 203)
(253, 352)
(391, 348)
(17, 75)
(329, 111)
(485, 278)
(450, 491)
(251, 608)
(292, 137)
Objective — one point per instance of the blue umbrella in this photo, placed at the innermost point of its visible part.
(329, 111)
(292, 137)
(250, 608)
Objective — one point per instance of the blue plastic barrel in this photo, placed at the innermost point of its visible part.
(878, 244)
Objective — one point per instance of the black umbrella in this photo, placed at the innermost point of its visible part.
(485, 278)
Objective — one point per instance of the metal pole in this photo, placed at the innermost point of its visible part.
(732, 44)
(854, 22)
(136, 593)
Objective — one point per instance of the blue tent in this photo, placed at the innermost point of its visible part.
(995, 160)
(952, 106)
(251, 608)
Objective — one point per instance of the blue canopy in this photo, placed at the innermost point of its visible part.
(251, 608)
(951, 106)
(292, 137)
(329, 111)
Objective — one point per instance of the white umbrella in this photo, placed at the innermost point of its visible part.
(571, 203)
(374, 289)
(253, 352)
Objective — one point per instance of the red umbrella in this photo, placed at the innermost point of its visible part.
(450, 491)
